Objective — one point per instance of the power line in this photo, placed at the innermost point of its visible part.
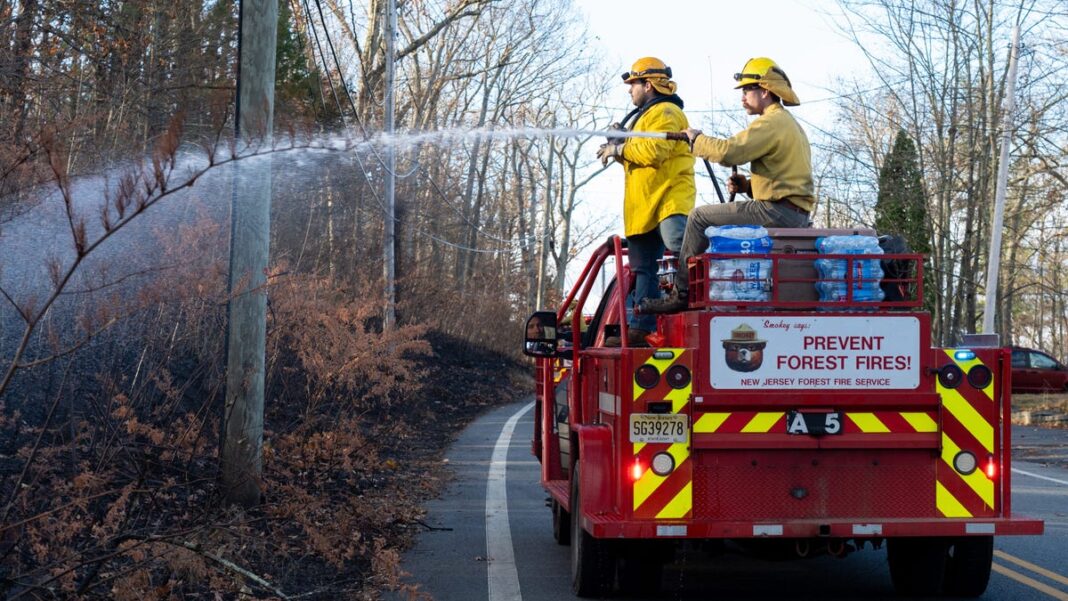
(326, 69)
(381, 161)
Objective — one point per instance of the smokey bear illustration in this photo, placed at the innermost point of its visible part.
(745, 352)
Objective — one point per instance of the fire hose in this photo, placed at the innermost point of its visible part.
(682, 137)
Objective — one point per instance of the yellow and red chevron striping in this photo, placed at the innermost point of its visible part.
(659, 497)
(968, 419)
(671, 496)
(755, 422)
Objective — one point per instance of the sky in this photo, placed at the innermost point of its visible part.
(705, 43)
(704, 47)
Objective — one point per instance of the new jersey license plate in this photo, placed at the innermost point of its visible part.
(659, 427)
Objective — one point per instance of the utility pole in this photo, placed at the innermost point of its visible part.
(389, 236)
(545, 235)
(250, 219)
(993, 263)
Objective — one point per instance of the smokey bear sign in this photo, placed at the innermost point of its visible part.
(762, 352)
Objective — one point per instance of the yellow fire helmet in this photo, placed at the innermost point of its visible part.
(763, 72)
(654, 70)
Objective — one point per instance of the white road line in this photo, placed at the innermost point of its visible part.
(501, 573)
(1019, 471)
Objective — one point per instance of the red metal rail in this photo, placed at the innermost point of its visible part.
(778, 282)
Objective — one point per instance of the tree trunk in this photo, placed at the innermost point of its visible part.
(23, 45)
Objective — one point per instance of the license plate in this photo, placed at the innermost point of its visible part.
(813, 423)
(659, 427)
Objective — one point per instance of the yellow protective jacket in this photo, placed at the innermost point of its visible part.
(778, 152)
(658, 173)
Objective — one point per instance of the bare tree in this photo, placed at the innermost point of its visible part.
(938, 73)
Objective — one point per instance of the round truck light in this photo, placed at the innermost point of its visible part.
(647, 376)
(965, 463)
(979, 376)
(677, 376)
(663, 464)
(950, 376)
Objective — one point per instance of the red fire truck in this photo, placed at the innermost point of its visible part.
(787, 425)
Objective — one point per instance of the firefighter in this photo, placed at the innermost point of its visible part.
(779, 155)
(659, 188)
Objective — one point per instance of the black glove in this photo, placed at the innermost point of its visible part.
(616, 127)
(739, 183)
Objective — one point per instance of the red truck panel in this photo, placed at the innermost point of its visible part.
(887, 469)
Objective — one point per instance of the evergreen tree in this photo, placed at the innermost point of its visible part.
(901, 207)
(296, 82)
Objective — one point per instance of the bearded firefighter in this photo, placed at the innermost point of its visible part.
(780, 160)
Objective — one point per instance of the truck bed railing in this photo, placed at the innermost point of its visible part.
(791, 282)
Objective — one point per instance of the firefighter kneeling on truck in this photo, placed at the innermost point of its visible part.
(780, 163)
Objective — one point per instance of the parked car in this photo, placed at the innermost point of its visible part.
(1036, 371)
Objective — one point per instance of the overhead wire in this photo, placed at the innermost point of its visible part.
(326, 70)
(356, 155)
(348, 96)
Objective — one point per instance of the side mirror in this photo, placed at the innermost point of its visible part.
(540, 339)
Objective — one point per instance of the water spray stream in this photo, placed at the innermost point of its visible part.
(492, 133)
(407, 141)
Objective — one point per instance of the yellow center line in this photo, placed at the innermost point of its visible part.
(1030, 566)
(1031, 582)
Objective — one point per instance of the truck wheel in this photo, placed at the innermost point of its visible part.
(592, 567)
(968, 569)
(917, 565)
(561, 525)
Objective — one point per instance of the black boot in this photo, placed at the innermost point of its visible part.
(672, 303)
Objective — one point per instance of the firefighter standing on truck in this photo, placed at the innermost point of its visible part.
(659, 188)
(780, 162)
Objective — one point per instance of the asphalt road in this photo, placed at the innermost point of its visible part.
(519, 559)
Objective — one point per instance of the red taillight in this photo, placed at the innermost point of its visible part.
(991, 467)
(980, 376)
(636, 471)
(647, 376)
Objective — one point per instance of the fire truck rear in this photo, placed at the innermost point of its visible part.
(789, 425)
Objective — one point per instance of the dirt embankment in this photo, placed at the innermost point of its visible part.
(1040, 434)
(1048, 410)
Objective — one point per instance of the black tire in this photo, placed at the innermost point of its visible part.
(592, 566)
(917, 565)
(561, 525)
(968, 567)
(641, 569)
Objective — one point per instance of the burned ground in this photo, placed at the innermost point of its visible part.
(112, 493)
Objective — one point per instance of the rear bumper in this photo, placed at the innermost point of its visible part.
(608, 526)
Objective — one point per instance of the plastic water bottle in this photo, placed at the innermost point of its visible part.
(737, 232)
(667, 269)
(738, 239)
(740, 279)
(832, 272)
